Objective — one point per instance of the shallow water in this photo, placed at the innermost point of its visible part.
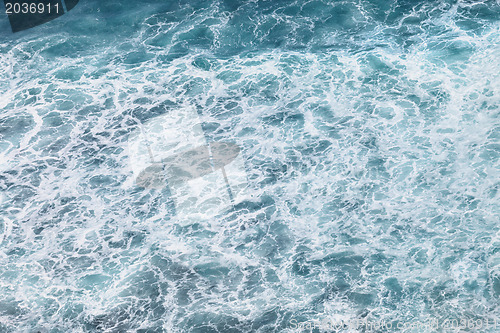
(369, 131)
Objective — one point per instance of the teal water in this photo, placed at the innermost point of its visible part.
(370, 132)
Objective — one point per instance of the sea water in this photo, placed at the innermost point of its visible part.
(369, 134)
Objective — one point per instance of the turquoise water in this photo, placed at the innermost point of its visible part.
(370, 133)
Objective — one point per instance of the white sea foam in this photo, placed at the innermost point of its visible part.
(373, 176)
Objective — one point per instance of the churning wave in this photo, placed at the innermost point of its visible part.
(369, 137)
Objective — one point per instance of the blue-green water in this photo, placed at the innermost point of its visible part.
(370, 133)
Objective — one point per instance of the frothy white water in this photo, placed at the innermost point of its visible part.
(374, 178)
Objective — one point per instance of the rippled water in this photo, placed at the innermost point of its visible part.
(369, 132)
